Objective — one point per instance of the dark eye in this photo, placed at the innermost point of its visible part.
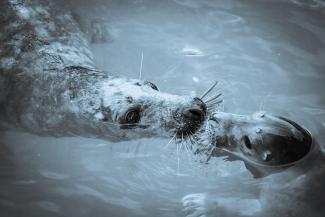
(152, 85)
(132, 116)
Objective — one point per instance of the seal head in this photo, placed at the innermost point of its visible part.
(138, 109)
(261, 140)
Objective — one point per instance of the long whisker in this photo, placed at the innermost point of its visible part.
(183, 143)
(212, 108)
(173, 139)
(196, 142)
(187, 152)
(213, 98)
(186, 146)
(177, 158)
(170, 141)
(208, 90)
(214, 103)
(190, 138)
(182, 140)
(140, 71)
(210, 154)
(193, 142)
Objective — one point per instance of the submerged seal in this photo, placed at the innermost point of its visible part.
(49, 84)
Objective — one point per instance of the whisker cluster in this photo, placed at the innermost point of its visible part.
(214, 101)
(209, 90)
(190, 141)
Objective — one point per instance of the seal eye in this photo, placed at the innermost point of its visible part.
(152, 85)
(132, 116)
(247, 142)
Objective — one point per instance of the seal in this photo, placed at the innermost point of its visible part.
(279, 150)
(49, 84)
(266, 143)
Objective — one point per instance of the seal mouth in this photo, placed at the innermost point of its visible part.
(270, 149)
(265, 143)
(297, 148)
(292, 153)
(277, 150)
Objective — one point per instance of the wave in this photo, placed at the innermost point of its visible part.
(310, 4)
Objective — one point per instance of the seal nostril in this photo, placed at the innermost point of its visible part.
(247, 142)
(196, 114)
(192, 117)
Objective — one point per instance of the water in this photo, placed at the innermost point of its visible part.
(267, 55)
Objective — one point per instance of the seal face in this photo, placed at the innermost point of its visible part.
(260, 140)
(137, 107)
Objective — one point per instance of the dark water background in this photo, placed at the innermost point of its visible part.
(267, 55)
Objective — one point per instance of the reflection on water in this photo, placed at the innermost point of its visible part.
(268, 55)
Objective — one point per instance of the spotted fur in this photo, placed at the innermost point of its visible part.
(49, 83)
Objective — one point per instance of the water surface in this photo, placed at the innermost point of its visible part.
(267, 55)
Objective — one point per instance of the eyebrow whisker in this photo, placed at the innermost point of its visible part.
(213, 98)
(208, 90)
(140, 71)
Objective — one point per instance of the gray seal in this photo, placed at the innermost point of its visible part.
(49, 84)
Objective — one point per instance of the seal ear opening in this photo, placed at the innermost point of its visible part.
(247, 142)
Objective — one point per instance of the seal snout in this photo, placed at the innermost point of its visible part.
(193, 116)
(196, 111)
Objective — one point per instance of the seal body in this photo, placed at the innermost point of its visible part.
(49, 84)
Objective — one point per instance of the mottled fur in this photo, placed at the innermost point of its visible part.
(50, 85)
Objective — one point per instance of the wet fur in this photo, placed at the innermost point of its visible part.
(49, 84)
